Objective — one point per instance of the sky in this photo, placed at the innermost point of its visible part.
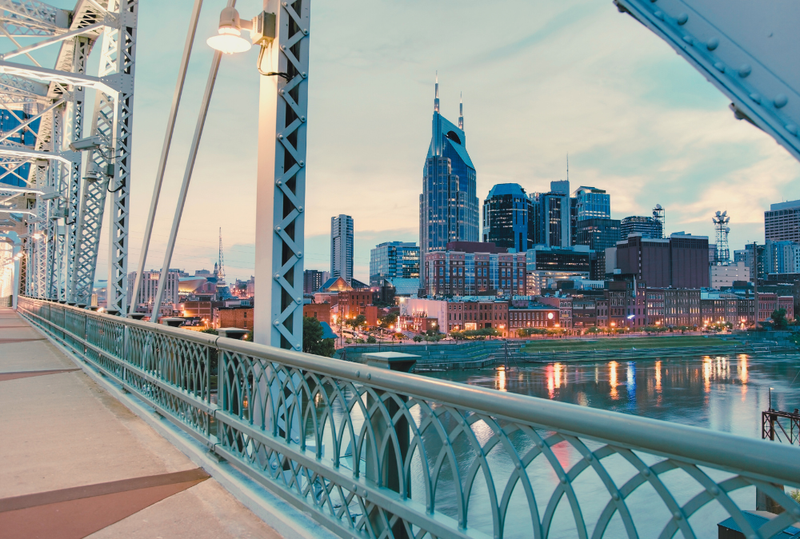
(541, 79)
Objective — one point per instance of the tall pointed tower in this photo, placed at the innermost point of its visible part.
(448, 205)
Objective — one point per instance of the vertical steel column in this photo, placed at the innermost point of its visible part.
(122, 141)
(51, 225)
(73, 132)
(280, 199)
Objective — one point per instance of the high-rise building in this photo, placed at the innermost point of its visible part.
(758, 267)
(592, 203)
(313, 280)
(509, 217)
(648, 227)
(556, 215)
(598, 234)
(782, 257)
(782, 222)
(393, 259)
(342, 247)
(681, 261)
(448, 205)
(149, 287)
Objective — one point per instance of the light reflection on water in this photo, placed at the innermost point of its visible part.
(721, 393)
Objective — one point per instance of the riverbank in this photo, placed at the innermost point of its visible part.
(438, 357)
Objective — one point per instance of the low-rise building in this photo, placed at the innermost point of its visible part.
(235, 317)
(532, 315)
(320, 311)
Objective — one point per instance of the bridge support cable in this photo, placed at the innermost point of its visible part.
(162, 163)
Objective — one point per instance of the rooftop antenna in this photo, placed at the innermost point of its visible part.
(221, 271)
(567, 167)
(436, 98)
(461, 112)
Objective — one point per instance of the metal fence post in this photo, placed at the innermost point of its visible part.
(384, 471)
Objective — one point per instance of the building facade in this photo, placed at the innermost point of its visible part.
(149, 287)
(555, 215)
(448, 205)
(782, 257)
(782, 222)
(460, 273)
(678, 262)
(592, 203)
(648, 227)
(392, 260)
(313, 280)
(509, 218)
(723, 276)
(342, 247)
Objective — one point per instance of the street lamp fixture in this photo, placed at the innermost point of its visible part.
(229, 39)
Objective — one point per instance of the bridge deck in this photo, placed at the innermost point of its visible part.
(78, 463)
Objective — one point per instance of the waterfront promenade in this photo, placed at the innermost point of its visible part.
(78, 463)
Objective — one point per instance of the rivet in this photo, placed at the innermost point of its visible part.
(275, 323)
(712, 43)
(305, 31)
(302, 163)
(588, 457)
(366, 493)
(659, 15)
(780, 100)
(278, 182)
(300, 209)
(563, 480)
(676, 515)
(720, 67)
(304, 75)
(519, 466)
(280, 136)
(791, 128)
(298, 347)
(646, 472)
(756, 98)
(714, 491)
(299, 301)
(280, 92)
(369, 376)
(299, 254)
(302, 118)
(689, 40)
(277, 276)
(615, 496)
(745, 70)
(277, 229)
(682, 18)
(358, 374)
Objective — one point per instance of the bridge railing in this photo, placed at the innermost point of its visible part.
(375, 453)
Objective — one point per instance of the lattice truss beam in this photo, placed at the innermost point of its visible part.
(58, 213)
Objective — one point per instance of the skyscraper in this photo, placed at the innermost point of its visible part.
(556, 216)
(342, 247)
(782, 222)
(593, 203)
(448, 205)
(509, 217)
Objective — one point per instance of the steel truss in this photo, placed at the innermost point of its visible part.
(64, 228)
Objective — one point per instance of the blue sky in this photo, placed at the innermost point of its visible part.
(540, 79)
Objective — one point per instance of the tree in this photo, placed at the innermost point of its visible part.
(417, 338)
(358, 321)
(388, 320)
(313, 343)
(371, 340)
(779, 319)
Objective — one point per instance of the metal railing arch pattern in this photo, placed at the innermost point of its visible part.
(375, 453)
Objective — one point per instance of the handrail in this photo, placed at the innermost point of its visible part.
(379, 453)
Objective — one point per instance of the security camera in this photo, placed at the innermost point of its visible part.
(85, 144)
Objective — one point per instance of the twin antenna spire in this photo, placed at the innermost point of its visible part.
(460, 104)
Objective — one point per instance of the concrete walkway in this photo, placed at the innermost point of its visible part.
(77, 463)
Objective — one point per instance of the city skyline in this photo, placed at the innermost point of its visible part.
(571, 70)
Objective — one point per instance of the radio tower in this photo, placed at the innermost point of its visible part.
(721, 221)
(221, 267)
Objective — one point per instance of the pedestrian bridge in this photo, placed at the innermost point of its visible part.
(361, 450)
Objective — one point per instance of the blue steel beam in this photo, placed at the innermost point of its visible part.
(748, 50)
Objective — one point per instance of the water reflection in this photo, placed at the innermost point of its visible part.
(721, 392)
